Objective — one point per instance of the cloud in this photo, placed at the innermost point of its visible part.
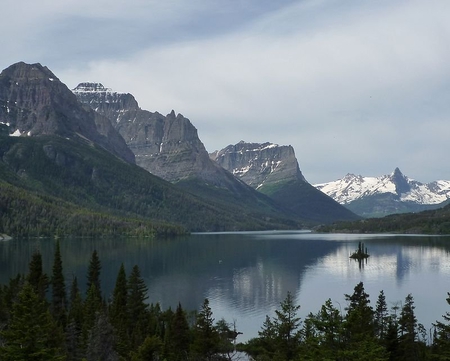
(354, 87)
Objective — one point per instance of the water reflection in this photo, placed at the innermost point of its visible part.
(247, 275)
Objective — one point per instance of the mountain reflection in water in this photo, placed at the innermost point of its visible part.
(246, 275)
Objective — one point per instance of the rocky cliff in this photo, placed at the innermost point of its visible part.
(167, 146)
(260, 165)
(274, 171)
(33, 102)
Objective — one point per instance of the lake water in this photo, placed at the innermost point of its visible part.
(246, 275)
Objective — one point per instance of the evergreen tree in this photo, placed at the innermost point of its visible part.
(36, 277)
(329, 327)
(206, 338)
(59, 296)
(381, 316)
(287, 328)
(441, 342)
(150, 349)
(267, 342)
(360, 341)
(75, 321)
(408, 343)
(93, 276)
(101, 340)
(359, 319)
(118, 312)
(92, 306)
(178, 340)
(32, 334)
(137, 308)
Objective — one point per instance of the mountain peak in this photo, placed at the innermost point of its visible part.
(401, 182)
(29, 71)
(91, 87)
(259, 164)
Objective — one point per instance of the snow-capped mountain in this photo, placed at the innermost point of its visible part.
(398, 192)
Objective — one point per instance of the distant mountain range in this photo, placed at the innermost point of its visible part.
(387, 194)
(91, 160)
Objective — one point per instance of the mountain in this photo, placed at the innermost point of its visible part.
(34, 102)
(387, 194)
(274, 171)
(64, 169)
(169, 147)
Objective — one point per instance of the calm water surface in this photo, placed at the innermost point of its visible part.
(246, 275)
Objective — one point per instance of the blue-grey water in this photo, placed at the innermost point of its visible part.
(246, 275)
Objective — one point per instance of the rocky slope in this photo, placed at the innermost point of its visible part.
(167, 146)
(274, 171)
(34, 102)
(260, 165)
(387, 194)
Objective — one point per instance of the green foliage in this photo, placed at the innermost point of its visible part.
(59, 296)
(427, 222)
(36, 277)
(206, 337)
(32, 333)
(128, 328)
(54, 186)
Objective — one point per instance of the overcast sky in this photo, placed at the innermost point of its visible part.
(354, 86)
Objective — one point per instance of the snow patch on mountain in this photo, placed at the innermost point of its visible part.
(353, 187)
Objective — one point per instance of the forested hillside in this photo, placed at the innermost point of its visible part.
(51, 185)
(427, 222)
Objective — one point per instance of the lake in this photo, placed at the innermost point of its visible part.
(246, 275)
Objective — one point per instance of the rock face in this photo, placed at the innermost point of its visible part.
(167, 146)
(274, 171)
(34, 102)
(260, 165)
(387, 194)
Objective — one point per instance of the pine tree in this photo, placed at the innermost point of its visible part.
(137, 308)
(408, 344)
(441, 342)
(381, 316)
(59, 296)
(75, 320)
(32, 334)
(178, 340)
(359, 319)
(93, 276)
(206, 338)
(36, 277)
(287, 326)
(329, 324)
(118, 312)
(101, 340)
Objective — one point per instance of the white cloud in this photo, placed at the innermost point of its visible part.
(353, 86)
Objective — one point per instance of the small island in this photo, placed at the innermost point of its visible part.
(360, 253)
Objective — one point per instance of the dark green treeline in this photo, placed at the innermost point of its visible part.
(45, 317)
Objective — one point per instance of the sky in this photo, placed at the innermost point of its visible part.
(356, 87)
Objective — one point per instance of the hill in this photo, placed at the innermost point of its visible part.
(427, 222)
